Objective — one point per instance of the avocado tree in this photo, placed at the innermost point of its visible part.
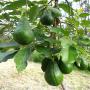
(38, 30)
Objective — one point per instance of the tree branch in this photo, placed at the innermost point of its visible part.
(50, 1)
(67, 2)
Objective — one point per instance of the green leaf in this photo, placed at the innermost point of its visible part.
(5, 16)
(52, 41)
(9, 45)
(66, 42)
(21, 59)
(84, 15)
(85, 41)
(16, 4)
(15, 12)
(60, 31)
(76, 0)
(69, 54)
(4, 56)
(2, 3)
(44, 51)
(40, 1)
(85, 23)
(66, 8)
(34, 12)
(57, 30)
(2, 28)
(73, 21)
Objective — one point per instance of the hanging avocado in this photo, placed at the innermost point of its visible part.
(88, 67)
(65, 68)
(47, 18)
(45, 63)
(55, 12)
(23, 33)
(53, 75)
(81, 64)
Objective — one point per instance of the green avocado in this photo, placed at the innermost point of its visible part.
(23, 33)
(88, 66)
(81, 64)
(65, 68)
(55, 12)
(47, 18)
(45, 63)
(53, 75)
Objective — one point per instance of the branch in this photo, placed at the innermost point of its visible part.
(56, 3)
(63, 88)
(50, 1)
(67, 2)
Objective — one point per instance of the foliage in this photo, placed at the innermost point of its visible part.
(38, 30)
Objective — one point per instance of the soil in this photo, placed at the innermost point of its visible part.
(32, 78)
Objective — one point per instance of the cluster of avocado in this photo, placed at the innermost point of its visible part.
(54, 70)
(48, 16)
(23, 33)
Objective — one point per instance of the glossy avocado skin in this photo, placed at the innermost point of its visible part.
(53, 75)
(47, 18)
(81, 64)
(23, 33)
(65, 68)
(45, 63)
(88, 66)
(55, 12)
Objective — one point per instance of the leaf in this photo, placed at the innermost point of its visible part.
(73, 22)
(2, 3)
(57, 30)
(4, 56)
(2, 28)
(66, 8)
(9, 45)
(85, 23)
(60, 31)
(36, 56)
(15, 12)
(84, 15)
(76, 0)
(44, 51)
(21, 59)
(69, 54)
(16, 4)
(66, 42)
(34, 11)
(53, 41)
(85, 41)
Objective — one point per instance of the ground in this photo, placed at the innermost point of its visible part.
(33, 78)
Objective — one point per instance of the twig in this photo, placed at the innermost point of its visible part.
(67, 3)
(50, 1)
(63, 88)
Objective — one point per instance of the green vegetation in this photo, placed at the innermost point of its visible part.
(38, 31)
